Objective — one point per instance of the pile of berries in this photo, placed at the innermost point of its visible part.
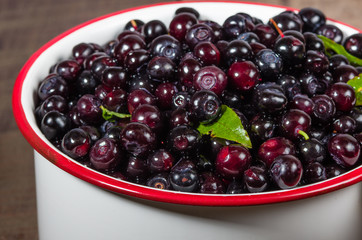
(292, 98)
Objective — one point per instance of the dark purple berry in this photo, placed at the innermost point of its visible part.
(286, 171)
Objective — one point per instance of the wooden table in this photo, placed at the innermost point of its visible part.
(24, 27)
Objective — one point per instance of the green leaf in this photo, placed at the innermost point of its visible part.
(111, 116)
(228, 126)
(339, 49)
(356, 83)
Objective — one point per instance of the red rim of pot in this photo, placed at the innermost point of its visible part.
(127, 188)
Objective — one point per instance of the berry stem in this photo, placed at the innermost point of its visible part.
(276, 27)
(134, 24)
(304, 134)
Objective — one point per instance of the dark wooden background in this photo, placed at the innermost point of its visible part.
(24, 27)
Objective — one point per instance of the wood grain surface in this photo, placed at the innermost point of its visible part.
(24, 27)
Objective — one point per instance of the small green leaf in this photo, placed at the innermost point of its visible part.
(228, 126)
(356, 83)
(339, 49)
(110, 115)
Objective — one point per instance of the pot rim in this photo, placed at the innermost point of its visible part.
(123, 187)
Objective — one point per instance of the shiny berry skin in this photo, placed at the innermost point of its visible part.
(86, 83)
(334, 170)
(344, 73)
(179, 116)
(138, 139)
(180, 24)
(343, 95)
(166, 46)
(139, 97)
(269, 63)
(69, 70)
(286, 171)
(153, 29)
(344, 124)
(186, 71)
(134, 25)
(135, 59)
(294, 121)
(302, 102)
(235, 187)
(141, 82)
(207, 53)
(288, 20)
(232, 99)
(126, 44)
(211, 184)
(100, 64)
(217, 28)
(181, 100)
(316, 62)
(164, 93)
(88, 61)
(76, 143)
(54, 125)
(249, 37)
(199, 33)
(187, 10)
(129, 32)
(234, 26)
(113, 132)
(160, 181)
(312, 42)
(101, 91)
(89, 109)
(291, 50)
(116, 100)
(161, 68)
(210, 78)
(93, 132)
(312, 18)
(324, 108)
(149, 115)
(160, 161)
(114, 77)
(336, 61)
(256, 179)
(290, 85)
(243, 75)
(262, 128)
(275, 147)
(52, 103)
(344, 149)
(269, 97)
(330, 31)
(232, 161)
(105, 155)
(314, 172)
(356, 114)
(266, 34)
(312, 150)
(183, 139)
(256, 47)
(53, 85)
(353, 44)
(136, 170)
(205, 106)
(183, 176)
(309, 84)
(82, 51)
(237, 51)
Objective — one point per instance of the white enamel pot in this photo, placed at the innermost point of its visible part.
(76, 202)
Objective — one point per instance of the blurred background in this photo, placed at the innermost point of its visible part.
(24, 27)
